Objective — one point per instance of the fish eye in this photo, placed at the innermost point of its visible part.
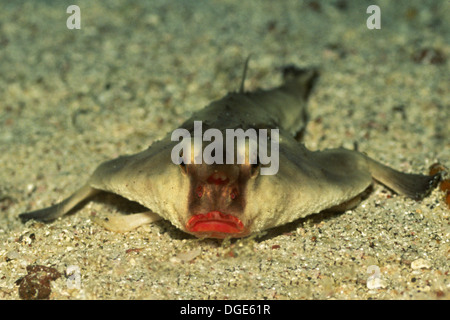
(233, 194)
(183, 167)
(182, 164)
(255, 169)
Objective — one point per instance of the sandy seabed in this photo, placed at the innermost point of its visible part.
(136, 69)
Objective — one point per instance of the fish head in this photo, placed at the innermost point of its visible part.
(216, 200)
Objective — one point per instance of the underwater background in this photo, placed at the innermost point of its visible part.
(135, 70)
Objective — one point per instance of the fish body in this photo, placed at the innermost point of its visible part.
(221, 200)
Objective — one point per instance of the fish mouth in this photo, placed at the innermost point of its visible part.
(216, 224)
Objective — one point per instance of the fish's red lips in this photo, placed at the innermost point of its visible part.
(216, 224)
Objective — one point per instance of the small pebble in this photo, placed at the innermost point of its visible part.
(420, 264)
(186, 256)
(12, 255)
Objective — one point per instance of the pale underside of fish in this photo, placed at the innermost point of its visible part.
(235, 200)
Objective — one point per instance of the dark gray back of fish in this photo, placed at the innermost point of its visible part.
(283, 107)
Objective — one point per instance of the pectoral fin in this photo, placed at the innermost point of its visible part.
(415, 186)
(127, 223)
(60, 209)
